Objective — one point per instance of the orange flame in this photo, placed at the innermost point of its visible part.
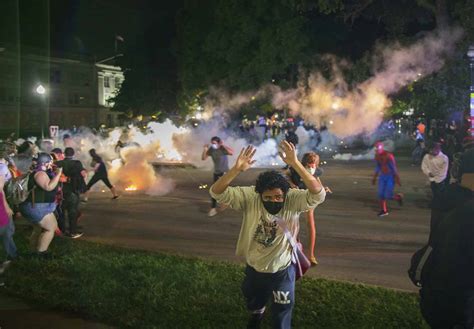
(131, 188)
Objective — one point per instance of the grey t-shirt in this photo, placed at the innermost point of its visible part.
(220, 159)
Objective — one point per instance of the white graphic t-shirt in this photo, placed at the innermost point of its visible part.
(261, 241)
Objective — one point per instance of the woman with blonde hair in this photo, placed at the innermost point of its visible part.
(310, 161)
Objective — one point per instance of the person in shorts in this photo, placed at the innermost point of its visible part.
(40, 205)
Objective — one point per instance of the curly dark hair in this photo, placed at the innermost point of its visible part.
(270, 180)
(216, 139)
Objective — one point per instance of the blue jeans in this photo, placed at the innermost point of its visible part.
(6, 233)
(259, 287)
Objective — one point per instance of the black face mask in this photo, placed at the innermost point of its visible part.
(273, 207)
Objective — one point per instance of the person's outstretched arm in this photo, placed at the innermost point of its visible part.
(243, 163)
(288, 155)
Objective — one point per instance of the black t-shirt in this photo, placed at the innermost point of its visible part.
(72, 170)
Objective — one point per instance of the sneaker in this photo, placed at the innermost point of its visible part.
(75, 235)
(212, 212)
(115, 197)
(400, 199)
(84, 200)
(382, 213)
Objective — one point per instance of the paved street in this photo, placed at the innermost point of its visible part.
(353, 243)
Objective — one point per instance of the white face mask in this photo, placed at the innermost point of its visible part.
(311, 170)
(214, 146)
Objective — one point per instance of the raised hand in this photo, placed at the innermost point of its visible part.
(245, 159)
(287, 152)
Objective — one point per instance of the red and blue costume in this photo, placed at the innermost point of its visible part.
(386, 170)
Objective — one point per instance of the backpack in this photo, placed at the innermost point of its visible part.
(16, 190)
(420, 265)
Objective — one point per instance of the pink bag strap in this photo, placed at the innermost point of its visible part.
(288, 236)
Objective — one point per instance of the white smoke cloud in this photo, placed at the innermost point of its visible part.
(351, 110)
(345, 110)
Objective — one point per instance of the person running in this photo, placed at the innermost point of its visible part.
(219, 154)
(387, 173)
(310, 161)
(73, 186)
(40, 205)
(270, 270)
(100, 174)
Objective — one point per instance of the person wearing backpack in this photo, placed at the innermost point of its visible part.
(40, 204)
(73, 186)
(447, 294)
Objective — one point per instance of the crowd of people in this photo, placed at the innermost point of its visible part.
(56, 185)
(449, 134)
(45, 188)
(275, 126)
(447, 295)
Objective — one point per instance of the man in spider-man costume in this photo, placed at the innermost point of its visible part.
(386, 171)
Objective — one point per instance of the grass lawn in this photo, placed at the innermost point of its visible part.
(138, 289)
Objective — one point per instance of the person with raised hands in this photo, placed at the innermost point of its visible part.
(270, 270)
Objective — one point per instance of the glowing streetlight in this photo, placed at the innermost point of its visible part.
(40, 90)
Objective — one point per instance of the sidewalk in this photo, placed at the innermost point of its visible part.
(15, 314)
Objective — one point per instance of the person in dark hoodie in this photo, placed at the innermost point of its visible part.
(447, 295)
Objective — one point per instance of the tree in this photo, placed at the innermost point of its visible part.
(150, 67)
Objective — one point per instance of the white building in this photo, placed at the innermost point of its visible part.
(76, 93)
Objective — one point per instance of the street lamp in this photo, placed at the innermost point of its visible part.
(470, 55)
(41, 91)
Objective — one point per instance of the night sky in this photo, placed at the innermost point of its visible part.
(73, 26)
(89, 27)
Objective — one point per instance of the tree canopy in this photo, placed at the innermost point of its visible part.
(240, 45)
